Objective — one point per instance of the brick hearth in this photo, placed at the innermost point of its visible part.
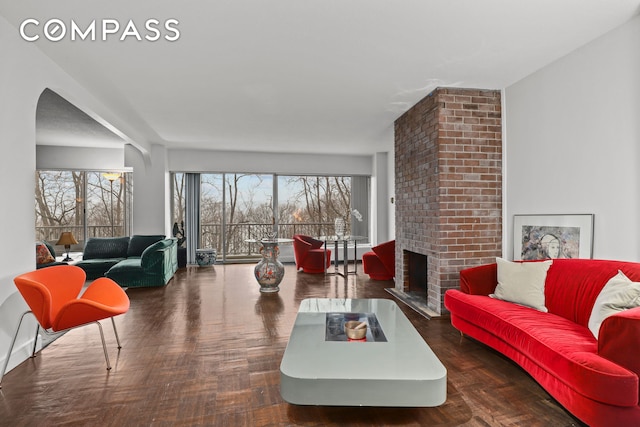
(448, 183)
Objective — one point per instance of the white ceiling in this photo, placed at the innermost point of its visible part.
(304, 75)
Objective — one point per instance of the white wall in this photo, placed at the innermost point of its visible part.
(391, 190)
(573, 142)
(24, 73)
(18, 98)
(285, 163)
(380, 198)
(151, 193)
(96, 159)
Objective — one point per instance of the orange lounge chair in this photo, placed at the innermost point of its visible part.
(52, 295)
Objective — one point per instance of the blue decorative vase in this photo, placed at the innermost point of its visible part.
(269, 271)
(205, 257)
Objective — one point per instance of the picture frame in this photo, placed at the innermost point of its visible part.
(538, 237)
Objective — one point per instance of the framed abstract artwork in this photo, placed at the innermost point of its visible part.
(552, 236)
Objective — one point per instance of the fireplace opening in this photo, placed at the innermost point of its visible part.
(413, 288)
(416, 273)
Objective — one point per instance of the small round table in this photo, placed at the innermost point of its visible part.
(345, 240)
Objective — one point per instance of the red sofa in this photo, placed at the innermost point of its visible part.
(310, 255)
(595, 380)
(380, 262)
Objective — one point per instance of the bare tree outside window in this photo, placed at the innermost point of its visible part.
(305, 205)
(211, 210)
(85, 203)
(58, 202)
(249, 213)
(105, 205)
(318, 201)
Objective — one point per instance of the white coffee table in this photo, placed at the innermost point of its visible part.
(319, 369)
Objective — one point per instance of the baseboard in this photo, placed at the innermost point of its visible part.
(21, 353)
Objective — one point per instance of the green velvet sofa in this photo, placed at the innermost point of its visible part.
(136, 261)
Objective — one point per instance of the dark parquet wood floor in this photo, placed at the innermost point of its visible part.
(205, 351)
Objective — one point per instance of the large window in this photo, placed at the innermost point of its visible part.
(87, 203)
(235, 207)
(310, 204)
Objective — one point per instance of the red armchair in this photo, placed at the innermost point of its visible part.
(380, 262)
(310, 254)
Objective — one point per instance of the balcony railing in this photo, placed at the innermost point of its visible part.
(211, 236)
(238, 234)
(52, 233)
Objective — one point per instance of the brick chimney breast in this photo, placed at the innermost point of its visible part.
(448, 183)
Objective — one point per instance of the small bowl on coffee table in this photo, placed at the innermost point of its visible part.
(355, 330)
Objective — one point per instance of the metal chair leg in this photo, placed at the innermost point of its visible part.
(35, 341)
(15, 337)
(113, 322)
(13, 342)
(104, 346)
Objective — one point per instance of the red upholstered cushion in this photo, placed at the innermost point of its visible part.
(387, 254)
(317, 261)
(481, 280)
(619, 337)
(573, 285)
(571, 288)
(547, 343)
(372, 265)
(300, 249)
(314, 243)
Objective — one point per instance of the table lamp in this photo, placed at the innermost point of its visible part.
(66, 239)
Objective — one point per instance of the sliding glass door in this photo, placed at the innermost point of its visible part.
(231, 208)
(211, 212)
(248, 202)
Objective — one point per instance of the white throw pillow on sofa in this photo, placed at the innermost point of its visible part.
(619, 294)
(522, 282)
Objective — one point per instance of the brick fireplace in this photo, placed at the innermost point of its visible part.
(448, 184)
